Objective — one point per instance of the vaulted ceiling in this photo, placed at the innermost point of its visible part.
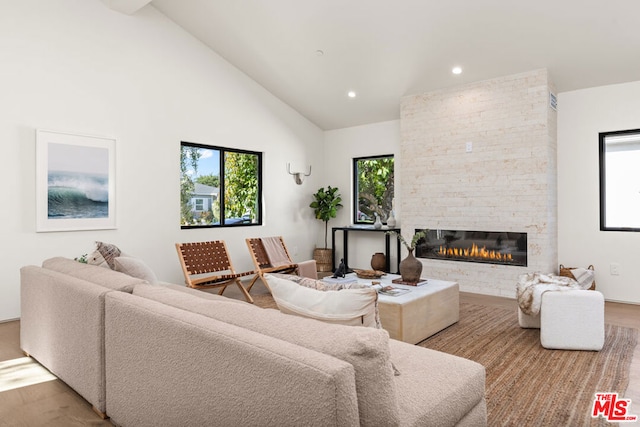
(310, 53)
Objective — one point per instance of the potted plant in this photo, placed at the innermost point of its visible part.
(325, 206)
(410, 267)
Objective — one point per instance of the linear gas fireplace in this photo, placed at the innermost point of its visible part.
(490, 247)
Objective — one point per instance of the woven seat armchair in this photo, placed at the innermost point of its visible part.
(207, 265)
(270, 255)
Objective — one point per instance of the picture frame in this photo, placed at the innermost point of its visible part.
(75, 182)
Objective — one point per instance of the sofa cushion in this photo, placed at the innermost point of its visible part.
(435, 388)
(135, 267)
(94, 274)
(353, 307)
(366, 349)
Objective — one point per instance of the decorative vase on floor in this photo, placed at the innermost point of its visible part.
(410, 268)
(378, 261)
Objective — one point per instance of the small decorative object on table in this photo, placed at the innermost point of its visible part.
(377, 224)
(341, 270)
(369, 274)
(391, 221)
(378, 261)
(410, 267)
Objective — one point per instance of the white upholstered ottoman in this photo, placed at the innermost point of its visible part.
(572, 320)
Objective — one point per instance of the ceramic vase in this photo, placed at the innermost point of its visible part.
(378, 224)
(410, 268)
(391, 221)
(378, 261)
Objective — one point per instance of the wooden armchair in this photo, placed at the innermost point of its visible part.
(270, 255)
(199, 260)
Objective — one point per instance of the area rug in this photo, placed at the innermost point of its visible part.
(528, 385)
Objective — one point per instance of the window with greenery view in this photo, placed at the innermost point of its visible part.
(373, 179)
(620, 180)
(219, 186)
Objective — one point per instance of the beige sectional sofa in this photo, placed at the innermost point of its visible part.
(165, 355)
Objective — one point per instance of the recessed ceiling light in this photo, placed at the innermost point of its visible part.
(456, 70)
(351, 94)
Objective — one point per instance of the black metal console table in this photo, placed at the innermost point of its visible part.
(345, 244)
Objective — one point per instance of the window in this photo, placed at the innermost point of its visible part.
(373, 191)
(219, 186)
(199, 205)
(620, 181)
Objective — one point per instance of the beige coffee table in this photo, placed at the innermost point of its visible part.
(421, 312)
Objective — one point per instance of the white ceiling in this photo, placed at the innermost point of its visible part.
(386, 49)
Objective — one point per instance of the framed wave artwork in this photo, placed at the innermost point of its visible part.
(75, 182)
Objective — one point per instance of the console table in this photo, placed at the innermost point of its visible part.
(345, 244)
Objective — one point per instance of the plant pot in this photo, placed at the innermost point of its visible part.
(378, 261)
(323, 259)
(410, 268)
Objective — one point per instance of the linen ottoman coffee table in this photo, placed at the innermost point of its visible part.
(421, 312)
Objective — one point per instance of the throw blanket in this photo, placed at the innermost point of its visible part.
(275, 251)
(531, 286)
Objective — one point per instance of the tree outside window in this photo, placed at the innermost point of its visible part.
(205, 192)
(373, 180)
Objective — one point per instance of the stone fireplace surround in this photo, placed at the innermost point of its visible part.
(482, 157)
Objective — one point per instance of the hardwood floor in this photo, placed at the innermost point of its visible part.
(53, 403)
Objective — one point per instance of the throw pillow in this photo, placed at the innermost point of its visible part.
(135, 267)
(324, 286)
(105, 253)
(109, 252)
(353, 307)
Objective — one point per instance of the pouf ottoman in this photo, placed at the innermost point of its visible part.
(572, 320)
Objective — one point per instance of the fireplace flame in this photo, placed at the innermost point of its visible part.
(475, 252)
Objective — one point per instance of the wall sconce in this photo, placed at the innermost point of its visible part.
(298, 177)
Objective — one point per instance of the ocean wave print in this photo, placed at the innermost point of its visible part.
(77, 195)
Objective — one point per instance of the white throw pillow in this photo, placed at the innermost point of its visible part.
(135, 267)
(353, 307)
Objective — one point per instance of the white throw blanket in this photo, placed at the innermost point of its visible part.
(275, 251)
(531, 286)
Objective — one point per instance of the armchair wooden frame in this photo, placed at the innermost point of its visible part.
(262, 263)
(201, 258)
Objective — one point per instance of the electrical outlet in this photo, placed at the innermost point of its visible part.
(614, 269)
(469, 147)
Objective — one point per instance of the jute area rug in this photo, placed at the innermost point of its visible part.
(526, 384)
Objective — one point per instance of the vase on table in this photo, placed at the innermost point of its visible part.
(391, 221)
(378, 261)
(410, 268)
(377, 224)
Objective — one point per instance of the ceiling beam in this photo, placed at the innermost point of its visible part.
(128, 7)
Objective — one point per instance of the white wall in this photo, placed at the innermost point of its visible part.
(582, 115)
(79, 67)
(341, 146)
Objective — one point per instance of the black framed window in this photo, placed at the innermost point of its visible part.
(620, 180)
(219, 186)
(373, 188)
